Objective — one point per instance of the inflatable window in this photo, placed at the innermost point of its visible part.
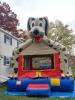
(38, 62)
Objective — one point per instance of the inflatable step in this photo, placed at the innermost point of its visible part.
(38, 90)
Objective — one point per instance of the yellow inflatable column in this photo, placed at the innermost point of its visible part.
(55, 82)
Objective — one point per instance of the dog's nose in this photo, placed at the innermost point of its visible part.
(36, 32)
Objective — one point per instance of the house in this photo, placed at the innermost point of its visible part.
(7, 43)
(72, 63)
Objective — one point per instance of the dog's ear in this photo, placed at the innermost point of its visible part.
(29, 22)
(46, 25)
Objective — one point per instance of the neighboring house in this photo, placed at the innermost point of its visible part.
(7, 43)
(73, 60)
(72, 64)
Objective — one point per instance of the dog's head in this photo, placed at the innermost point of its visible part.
(38, 27)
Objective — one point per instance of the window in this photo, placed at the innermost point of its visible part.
(7, 39)
(42, 62)
(17, 43)
(38, 62)
(7, 60)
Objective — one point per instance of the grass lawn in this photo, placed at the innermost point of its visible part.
(5, 97)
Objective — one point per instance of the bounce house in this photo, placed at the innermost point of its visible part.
(42, 65)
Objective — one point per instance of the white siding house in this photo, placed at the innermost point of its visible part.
(7, 43)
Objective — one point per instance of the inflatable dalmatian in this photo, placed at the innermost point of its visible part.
(37, 30)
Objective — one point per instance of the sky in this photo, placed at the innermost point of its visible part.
(63, 10)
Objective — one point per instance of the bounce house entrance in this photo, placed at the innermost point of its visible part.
(38, 62)
(39, 66)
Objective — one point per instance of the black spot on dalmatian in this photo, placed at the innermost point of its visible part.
(17, 59)
(64, 49)
(59, 53)
(11, 58)
(20, 50)
(61, 71)
(12, 64)
(15, 70)
(48, 42)
(17, 52)
(65, 55)
(60, 49)
(55, 48)
(67, 72)
(65, 60)
(50, 45)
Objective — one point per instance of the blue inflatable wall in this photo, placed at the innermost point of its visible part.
(66, 84)
(13, 86)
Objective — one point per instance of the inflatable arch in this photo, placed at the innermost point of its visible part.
(62, 50)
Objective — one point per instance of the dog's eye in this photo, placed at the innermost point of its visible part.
(40, 24)
(32, 24)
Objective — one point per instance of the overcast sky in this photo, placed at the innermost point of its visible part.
(63, 10)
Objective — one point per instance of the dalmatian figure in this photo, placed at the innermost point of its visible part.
(37, 31)
(37, 27)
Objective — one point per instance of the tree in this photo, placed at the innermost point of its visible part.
(23, 34)
(61, 33)
(8, 19)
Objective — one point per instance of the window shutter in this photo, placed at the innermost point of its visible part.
(4, 60)
(10, 60)
(10, 41)
(4, 38)
(17, 43)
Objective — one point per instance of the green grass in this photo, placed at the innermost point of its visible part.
(6, 97)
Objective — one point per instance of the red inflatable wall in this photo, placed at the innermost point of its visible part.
(51, 73)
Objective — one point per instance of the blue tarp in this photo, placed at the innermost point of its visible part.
(52, 94)
(66, 88)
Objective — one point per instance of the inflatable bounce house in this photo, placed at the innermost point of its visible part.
(42, 65)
